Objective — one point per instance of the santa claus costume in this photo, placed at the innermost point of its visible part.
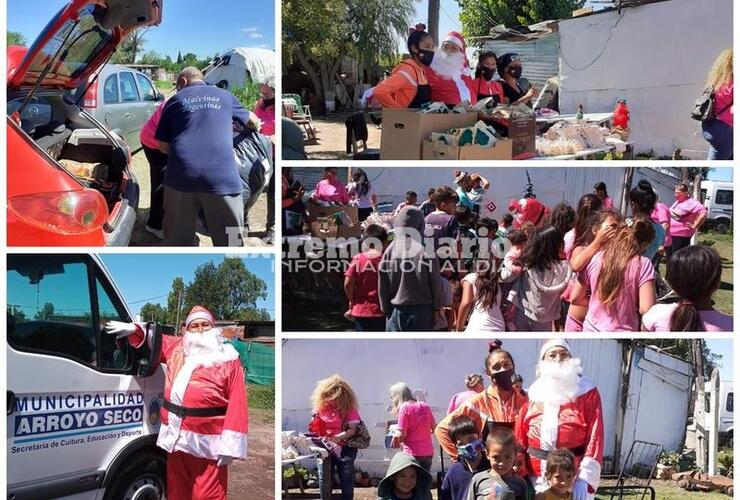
(449, 75)
(564, 411)
(204, 414)
(528, 209)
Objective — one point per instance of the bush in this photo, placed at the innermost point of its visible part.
(724, 457)
(261, 396)
(165, 85)
(247, 95)
(669, 458)
(298, 471)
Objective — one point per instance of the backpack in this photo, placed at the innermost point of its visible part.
(361, 439)
(703, 110)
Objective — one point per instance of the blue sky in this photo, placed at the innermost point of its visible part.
(149, 276)
(723, 347)
(203, 28)
(721, 174)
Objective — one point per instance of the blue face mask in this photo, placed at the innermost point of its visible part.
(471, 450)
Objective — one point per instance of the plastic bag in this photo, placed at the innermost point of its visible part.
(254, 157)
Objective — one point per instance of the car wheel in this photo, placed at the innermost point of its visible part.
(143, 478)
(722, 227)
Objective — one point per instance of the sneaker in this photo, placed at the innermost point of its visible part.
(156, 232)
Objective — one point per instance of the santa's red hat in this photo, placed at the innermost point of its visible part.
(200, 312)
(455, 37)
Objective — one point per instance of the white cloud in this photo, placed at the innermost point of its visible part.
(252, 32)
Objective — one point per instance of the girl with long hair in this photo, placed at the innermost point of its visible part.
(415, 425)
(361, 194)
(621, 280)
(481, 293)
(588, 204)
(718, 131)
(694, 274)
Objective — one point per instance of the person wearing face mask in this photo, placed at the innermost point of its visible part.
(449, 73)
(517, 90)
(204, 414)
(498, 405)
(687, 216)
(471, 459)
(564, 411)
(484, 84)
(331, 189)
(408, 86)
(265, 107)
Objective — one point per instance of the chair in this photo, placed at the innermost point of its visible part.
(636, 473)
(292, 110)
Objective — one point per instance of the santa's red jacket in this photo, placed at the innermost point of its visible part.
(528, 210)
(450, 91)
(577, 425)
(190, 384)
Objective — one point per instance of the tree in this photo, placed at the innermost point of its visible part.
(684, 349)
(179, 58)
(130, 47)
(479, 16)
(175, 301)
(153, 312)
(46, 312)
(16, 38)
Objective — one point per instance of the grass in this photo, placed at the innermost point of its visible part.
(261, 396)
(247, 95)
(723, 244)
(164, 85)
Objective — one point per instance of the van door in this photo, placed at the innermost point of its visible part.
(73, 402)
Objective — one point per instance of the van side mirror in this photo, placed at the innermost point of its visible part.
(159, 98)
(148, 365)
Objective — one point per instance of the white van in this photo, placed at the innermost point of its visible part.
(726, 403)
(717, 198)
(83, 411)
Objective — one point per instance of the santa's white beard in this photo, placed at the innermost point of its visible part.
(205, 348)
(448, 65)
(557, 383)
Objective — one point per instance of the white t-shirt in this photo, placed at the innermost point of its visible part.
(365, 201)
(484, 320)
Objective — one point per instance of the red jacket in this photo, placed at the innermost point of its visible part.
(447, 91)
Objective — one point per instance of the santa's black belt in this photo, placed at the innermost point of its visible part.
(542, 454)
(183, 412)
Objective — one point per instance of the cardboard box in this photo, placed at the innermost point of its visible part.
(522, 130)
(438, 151)
(405, 130)
(316, 211)
(325, 227)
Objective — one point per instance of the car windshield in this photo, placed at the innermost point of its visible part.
(76, 42)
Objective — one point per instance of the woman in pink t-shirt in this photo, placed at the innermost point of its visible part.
(415, 425)
(474, 383)
(330, 189)
(621, 280)
(718, 131)
(694, 273)
(600, 191)
(336, 418)
(687, 215)
(265, 107)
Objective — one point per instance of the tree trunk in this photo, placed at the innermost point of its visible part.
(306, 64)
(685, 175)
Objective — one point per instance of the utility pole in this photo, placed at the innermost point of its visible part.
(699, 408)
(433, 19)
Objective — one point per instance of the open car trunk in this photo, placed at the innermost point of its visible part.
(80, 146)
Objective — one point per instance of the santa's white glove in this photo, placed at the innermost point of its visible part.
(224, 460)
(580, 490)
(119, 329)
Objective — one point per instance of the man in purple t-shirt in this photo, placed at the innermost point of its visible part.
(196, 131)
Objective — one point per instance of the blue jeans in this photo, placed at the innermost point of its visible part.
(370, 324)
(418, 318)
(345, 469)
(719, 136)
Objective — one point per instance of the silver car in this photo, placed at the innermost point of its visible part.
(123, 99)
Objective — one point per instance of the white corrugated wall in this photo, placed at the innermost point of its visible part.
(540, 59)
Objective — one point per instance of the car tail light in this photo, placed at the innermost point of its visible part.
(91, 96)
(66, 212)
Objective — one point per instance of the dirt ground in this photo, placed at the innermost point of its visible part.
(332, 137)
(140, 237)
(255, 476)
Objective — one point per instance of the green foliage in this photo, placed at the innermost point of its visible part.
(177, 293)
(247, 95)
(46, 313)
(291, 472)
(669, 458)
(153, 312)
(130, 47)
(725, 459)
(261, 396)
(682, 349)
(479, 16)
(16, 38)
(164, 85)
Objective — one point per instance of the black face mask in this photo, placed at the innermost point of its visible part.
(503, 379)
(425, 56)
(515, 72)
(269, 102)
(487, 73)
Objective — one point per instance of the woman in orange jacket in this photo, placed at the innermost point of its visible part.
(498, 405)
(408, 87)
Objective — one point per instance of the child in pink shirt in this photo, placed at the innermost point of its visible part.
(330, 189)
(621, 280)
(694, 273)
(361, 283)
(415, 423)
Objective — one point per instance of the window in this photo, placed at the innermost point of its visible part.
(723, 197)
(730, 401)
(147, 90)
(49, 308)
(53, 309)
(129, 93)
(110, 90)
